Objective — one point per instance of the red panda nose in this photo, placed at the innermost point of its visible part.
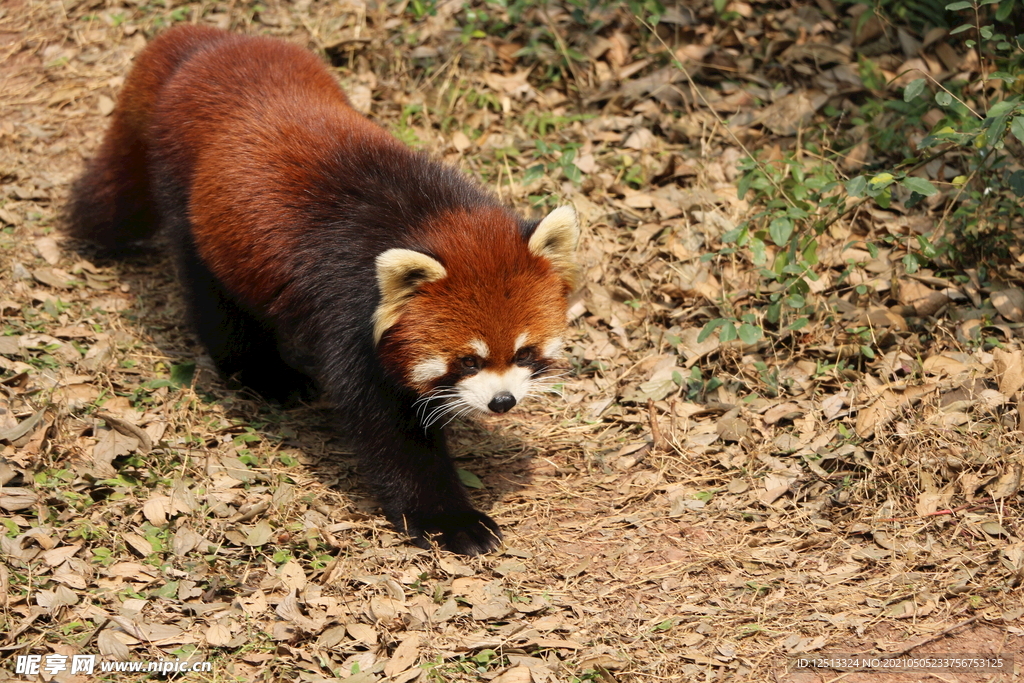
(502, 402)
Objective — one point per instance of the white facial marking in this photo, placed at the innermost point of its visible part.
(520, 341)
(479, 347)
(477, 391)
(428, 369)
(552, 348)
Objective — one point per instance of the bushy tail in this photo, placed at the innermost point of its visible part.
(111, 203)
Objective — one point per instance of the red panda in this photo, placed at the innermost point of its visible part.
(317, 252)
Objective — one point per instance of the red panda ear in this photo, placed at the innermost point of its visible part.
(400, 272)
(555, 238)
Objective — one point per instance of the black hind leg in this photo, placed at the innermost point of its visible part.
(243, 347)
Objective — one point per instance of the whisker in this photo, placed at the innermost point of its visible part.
(441, 399)
(436, 393)
(439, 392)
(459, 414)
(442, 410)
(547, 380)
(425, 410)
(435, 414)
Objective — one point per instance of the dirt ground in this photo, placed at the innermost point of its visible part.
(656, 529)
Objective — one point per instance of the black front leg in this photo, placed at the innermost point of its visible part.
(416, 483)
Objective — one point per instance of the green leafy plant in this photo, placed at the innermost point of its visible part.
(801, 195)
(799, 202)
(555, 159)
(421, 8)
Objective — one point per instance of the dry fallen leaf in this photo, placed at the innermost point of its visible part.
(887, 406)
(362, 633)
(516, 674)
(404, 657)
(48, 249)
(1010, 304)
(218, 635)
(1009, 365)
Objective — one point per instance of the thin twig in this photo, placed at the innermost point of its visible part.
(656, 435)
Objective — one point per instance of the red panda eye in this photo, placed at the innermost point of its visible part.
(469, 362)
(525, 355)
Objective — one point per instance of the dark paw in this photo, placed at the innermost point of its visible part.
(466, 532)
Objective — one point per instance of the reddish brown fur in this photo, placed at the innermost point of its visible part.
(489, 267)
(111, 202)
(278, 199)
(253, 166)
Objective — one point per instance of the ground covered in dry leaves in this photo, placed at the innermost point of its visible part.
(687, 510)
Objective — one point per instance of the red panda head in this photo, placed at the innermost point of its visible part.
(472, 326)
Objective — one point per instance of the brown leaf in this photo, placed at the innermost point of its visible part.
(517, 674)
(1008, 484)
(405, 656)
(361, 97)
(638, 200)
(887, 406)
(23, 428)
(185, 541)
(732, 428)
(71, 579)
(331, 637)
(98, 356)
(454, 567)
(138, 543)
(497, 608)
(618, 48)
(292, 575)
(254, 604)
(640, 139)
(259, 534)
(54, 277)
(14, 498)
(942, 364)
(1010, 304)
(461, 141)
(446, 611)
(10, 345)
(788, 115)
(515, 85)
(58, 556)
(775, 486)
(783, 411)
(386, 609)
(111, 646)
(130, 570)
(111, 444)
(105, 105)
(556, 643)
(926, 301)
(128, 429)
(77, 396)
(155, 510)
(5, 585)
(62, 596)
(218, 635)
(49, 250)
(929, 502)
(1009, 367)
(289, 610)
(362, 632)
